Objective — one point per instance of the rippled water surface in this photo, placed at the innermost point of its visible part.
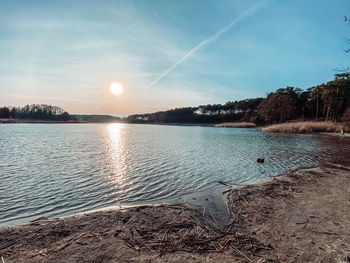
(55, 170)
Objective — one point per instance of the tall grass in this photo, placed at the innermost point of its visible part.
(307, 127)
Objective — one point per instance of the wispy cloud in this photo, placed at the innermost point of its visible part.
(208, 40)
(37, 24)
(51, 98)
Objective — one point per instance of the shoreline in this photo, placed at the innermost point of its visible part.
(302, 215)
(334, 134)
(307, 127)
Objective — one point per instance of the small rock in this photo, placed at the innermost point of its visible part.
(260, 160)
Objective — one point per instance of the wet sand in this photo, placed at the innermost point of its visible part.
(301, 216)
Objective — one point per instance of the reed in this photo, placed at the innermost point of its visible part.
(307, 127)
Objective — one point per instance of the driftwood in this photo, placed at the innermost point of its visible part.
(340, 166)
(228, 184)
(188, 230)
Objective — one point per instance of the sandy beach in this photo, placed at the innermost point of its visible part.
(301, 216)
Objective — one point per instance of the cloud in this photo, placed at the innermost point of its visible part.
(37, 24)
(208, 40)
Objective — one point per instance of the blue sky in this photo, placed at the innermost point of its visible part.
(166, 53)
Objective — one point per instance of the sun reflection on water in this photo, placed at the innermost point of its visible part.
(116, 154)
(115, 131)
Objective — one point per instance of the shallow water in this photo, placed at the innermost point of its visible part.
(51, 170)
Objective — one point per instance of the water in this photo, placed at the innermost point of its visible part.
(51, 170)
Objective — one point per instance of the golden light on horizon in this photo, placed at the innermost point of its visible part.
(116, 88)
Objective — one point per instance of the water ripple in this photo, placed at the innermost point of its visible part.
(58, 170)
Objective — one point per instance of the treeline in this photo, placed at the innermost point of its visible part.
(330, 101)
(211, 113)
(36, 112)
(96, 118)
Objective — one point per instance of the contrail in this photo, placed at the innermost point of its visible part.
(209, 39)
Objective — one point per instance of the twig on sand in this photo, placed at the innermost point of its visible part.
(216, 223)
(69, 241)
(64, 245)
(240, 252)
(2, 259)
(236, 217)
(8, 245)
(301, 223)
(323, 232)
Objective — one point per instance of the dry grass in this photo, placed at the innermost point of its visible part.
(236, 125)
(307, 127)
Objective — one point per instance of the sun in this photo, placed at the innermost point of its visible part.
(116, 88)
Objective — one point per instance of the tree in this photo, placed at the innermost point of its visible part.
(4, 112)
(37, 112)
(65, 116)
(279, 106)
(329, 101)
(13, 112)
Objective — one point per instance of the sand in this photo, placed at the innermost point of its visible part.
(302, 216)
(236, 125)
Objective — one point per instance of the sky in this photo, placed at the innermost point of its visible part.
(165, 53)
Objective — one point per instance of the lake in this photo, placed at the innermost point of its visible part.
(54, 170)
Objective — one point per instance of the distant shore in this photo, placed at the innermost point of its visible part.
(301, 216)
(219, 125)
(3, 121)
(14, 121)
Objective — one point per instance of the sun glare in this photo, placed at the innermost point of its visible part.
(116, 88)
